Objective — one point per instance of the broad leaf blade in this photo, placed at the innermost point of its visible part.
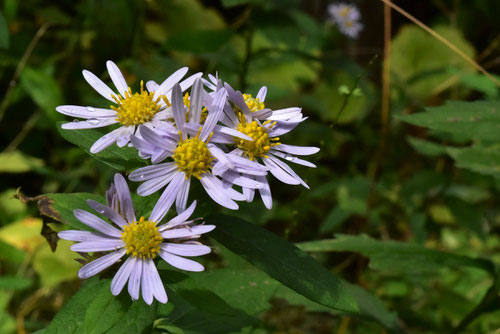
(396, 256)
(93, 309)
(282, 261)
(474, 120)
(120, 158)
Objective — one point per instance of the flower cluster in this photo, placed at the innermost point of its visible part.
(227, 140)
(347, 17)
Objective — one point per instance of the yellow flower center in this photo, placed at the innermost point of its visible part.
(253, 103)
(348, 23)
(345, 11)
(204, 111)
(137, 108)
(142, 239)
(261, 143)
(192, 156)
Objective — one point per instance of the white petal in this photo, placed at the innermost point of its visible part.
(85, 112)
(186, 249)
(169, 83)
(123, 192)
(96, 223)
(98, 85)
(122, 275)
(265, 192)
(147, 292)
(152, 172)
(134, 282)
(100, 264)
(98, 246)
(105, 141)
(182, 196)
(167, 198)
(213, 187)
(184, 232)
(298, 150)
(151, 186)
(108, 212)
(92, 123)
(196, 102)
(214, 113)
(75, 235)
(178, 108)
(262, 94)
(181, 263)
(117, 77)
(179, 219)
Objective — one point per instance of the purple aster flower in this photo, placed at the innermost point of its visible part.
(130, 109)
(347, 17)
(142, 240)
(248, 115)
(191, 146)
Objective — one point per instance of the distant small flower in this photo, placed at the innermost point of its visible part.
(347, 18)
(143, 240)
(250, 117)
(130, 109)
(191, 146)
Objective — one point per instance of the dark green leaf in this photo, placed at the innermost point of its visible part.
(426, 147)
(476, 120)
(121, 159)
(392, 255)
(479, 159)
(93, 309)
(282, 261)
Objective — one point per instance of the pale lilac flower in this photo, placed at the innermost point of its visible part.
(191, 145)
(141, 239)
(347, 17)
(130, 109)
(264, 126)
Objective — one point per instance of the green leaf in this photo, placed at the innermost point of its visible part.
(60, 207)
(426, 147)
(198, 41)
(43, 89)
(15, 282)
(421, 63)
(480, 82)
(121, 159)
(93, 309)
(198, 309)
(282, 261)
(9, 253)
(333, 220)
(482, 160)
(4, 33)
(467, 215)
(396, 256)
(474, 120)
(18, 162)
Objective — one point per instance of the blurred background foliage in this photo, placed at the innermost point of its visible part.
(434, 188)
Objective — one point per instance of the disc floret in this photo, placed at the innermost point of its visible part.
(261, 143)
(137, 108)
(192, 156)
(142, 239)
(253, 103)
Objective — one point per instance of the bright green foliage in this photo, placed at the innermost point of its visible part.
(93, 309)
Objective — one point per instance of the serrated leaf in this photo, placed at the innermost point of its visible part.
(426, 147)
(93, 309)
(60, 207)
(396, 256)
(121, 159)
(482, 160)
(478, 120)
(282, 261)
